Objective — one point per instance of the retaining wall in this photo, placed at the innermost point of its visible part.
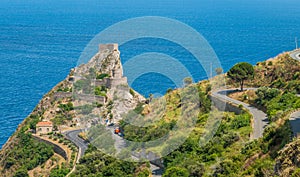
(224, 105)
(57, 149)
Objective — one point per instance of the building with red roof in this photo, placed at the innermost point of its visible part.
(44, 127)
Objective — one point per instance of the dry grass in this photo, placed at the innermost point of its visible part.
(247, 96)
(45, 169)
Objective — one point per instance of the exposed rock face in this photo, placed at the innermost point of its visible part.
(106, 63)
(74, 102)
(289, 159)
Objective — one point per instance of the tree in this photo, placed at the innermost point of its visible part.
(241, 72)
(21, 173)
(219, 71)
(176, 171)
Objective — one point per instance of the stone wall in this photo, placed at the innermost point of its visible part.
(113, 83)
(100, 83)
(110, 47)
(85, 97)
(91, 98)
(117, 73)
(61, 95)
(57, 149)
(223, 105)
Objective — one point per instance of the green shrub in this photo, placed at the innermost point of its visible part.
(270, 63)
(131, 91)
(102, 76)
(176, 171)
(21, 173)
(241, 106)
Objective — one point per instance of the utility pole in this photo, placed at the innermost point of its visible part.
(296, 42)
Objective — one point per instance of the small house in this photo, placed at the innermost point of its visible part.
(44, 127)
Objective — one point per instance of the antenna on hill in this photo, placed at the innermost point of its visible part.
(296, 42)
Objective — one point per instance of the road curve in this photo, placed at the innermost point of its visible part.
(260, 120)
(295, 54)
(73, 136)
(120, 143)
(295, 121)
(295, 117)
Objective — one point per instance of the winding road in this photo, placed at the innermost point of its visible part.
(260, 120)
(82, 146)
(295, 54)
(295, 117)
(295, 123)
(119, 144)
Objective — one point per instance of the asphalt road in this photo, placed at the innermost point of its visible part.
(295, 121)
(119, 144)
(295, 117)
(260, 120)
(295, 54)
(259, 117)
(73, 136)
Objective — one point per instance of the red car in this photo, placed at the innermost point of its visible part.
(117, 130)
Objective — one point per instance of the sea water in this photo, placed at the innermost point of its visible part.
(40, 41)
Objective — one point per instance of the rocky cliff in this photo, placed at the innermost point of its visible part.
(93, 93)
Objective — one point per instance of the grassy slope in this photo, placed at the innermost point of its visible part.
(228, 153)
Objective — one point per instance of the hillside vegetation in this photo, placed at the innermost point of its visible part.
(282, 72)
(189, 110)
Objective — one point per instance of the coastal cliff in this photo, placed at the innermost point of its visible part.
(95, 91)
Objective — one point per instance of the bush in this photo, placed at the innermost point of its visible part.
(240, 121)
(100, 91)
(241, 106)
(176, 171)
(270, 63)
(266, 94)
(144, 173)
(227, 167)
(131, 91)
(169, 90)
(9, 162)
(21, 173)
(59, 172)
(102, 76)
(29, 153)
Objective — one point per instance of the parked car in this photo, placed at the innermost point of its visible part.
(117, 130)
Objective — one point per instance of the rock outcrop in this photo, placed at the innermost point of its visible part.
(288, 159)
(104, 72)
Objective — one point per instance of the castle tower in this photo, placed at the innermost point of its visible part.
(110, 47)
(117, 73)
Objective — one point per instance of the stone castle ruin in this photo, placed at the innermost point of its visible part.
(109, 47)
(114, 70)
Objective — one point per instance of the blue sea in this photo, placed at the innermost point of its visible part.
(40, 41)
